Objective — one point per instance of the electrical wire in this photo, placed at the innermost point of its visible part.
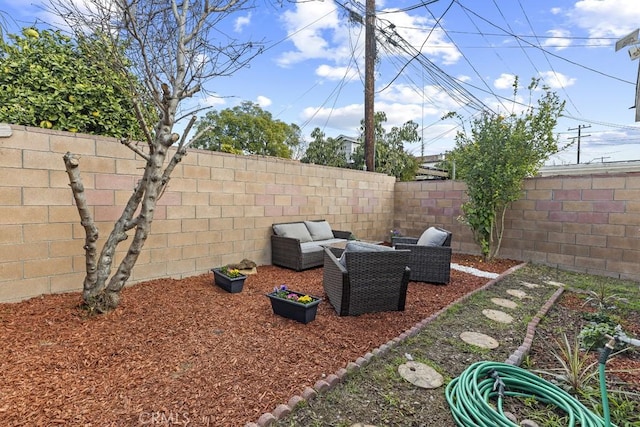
(546, 51)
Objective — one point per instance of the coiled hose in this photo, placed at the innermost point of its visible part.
(468, 396)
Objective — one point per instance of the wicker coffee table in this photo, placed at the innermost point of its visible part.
(338, 247)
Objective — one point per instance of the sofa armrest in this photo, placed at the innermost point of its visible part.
(335, 281)
(286, 252)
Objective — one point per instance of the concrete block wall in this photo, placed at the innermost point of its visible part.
(588, 223)
(218, 208)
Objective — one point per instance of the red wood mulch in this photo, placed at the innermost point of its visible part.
(185, 350)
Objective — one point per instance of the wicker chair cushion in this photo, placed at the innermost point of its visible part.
(294, 230)
(308, 247)
(361, 247)
(319, 230)
(432, 237)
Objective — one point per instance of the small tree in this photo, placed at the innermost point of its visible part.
(390, 156)
(496, 158)
(169, 48)
(325, 151)
(247, 128)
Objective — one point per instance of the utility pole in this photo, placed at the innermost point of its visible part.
(579, 129)
(369, 85)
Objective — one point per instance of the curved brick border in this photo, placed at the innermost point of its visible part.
(322, 385)
(518, 355)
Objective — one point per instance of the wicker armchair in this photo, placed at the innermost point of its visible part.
(431, 264)
(370, 282)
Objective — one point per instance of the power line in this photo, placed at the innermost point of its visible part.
(544, 50)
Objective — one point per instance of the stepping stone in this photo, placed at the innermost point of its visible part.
(498, 316)
(503, 302)
(362, 425)
(479, 340)
(517, 293)
(530, 285)
(421, 375)
(552, 283)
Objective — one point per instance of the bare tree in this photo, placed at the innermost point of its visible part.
(168, 45)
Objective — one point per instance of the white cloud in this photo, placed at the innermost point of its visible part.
(313, 28)
(319, 32)
(213, 101)
(337, 73)
(556, 80)
(263, 101)
(505, 81)
(606, 18)
(242, 22)
(343, 120)
(559, 39)
(431, 100)
(420, 33)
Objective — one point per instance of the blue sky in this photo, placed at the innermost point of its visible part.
(312, 70)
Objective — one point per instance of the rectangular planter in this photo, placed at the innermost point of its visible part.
(232, 285)
(294, 310)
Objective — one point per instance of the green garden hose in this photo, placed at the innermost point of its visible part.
(468, 396)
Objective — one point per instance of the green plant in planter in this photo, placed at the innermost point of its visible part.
(230, 272)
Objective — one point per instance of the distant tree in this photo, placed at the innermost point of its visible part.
(52, 81)
(325, 151)
(390, 156)
(495, 158)
(249, 129)
(173, 47)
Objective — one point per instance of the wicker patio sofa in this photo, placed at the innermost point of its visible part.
(430, 259)
(366, 281)
(299, 245)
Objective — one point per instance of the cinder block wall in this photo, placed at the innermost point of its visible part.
(218, 208)
(580, 223)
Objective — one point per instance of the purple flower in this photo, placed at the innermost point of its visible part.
(281, 288)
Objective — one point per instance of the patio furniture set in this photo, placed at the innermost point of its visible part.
(361, 277)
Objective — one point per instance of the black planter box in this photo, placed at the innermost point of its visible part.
(294, 310)
(232, 285)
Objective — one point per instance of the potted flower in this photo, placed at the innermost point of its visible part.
(229, 279)
(394, 233)
(294, 305)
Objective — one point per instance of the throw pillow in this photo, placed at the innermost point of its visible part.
(432, 237)
(319, 230)
(296, 230)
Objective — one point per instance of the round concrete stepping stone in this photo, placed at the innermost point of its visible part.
(517, 293)
(552, 283)
(503, 302)
(479, 340)
(421, 375)
(497, 315)
(530, 285)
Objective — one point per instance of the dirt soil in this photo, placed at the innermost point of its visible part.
(180, 352)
